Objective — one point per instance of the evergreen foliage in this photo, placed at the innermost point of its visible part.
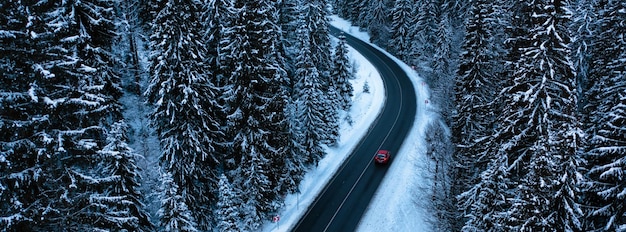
(485, 201)
(186, 107)
(121, 163)
(342, 74)
(227, 207)
(540, 130)
(377, 20)
(475, 92)
(256, 96)
(606, 100)
(402, 20)
(174, 214)
(310, 101)
(59, 92)
(424, 31)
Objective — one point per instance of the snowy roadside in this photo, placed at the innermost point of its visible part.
(394, 207)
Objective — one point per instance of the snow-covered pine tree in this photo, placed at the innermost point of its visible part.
(355, 7)
(174, 215)
(309, 100)
(185, 105)
(540, 133)
(424, 33)
(475, 91)
(256, 98)
(257, 196)
(215, 16)
(362, 14)
(606, 109)
(121, 163)
(377, 21)
(442, 77)
(228, 206)
(331, 113)
(401, 23)
(342, 74)
(70, 93)
(288, 21)
(584, 28)
(484, 203)
(342, 8)
(22, 118)
(315, 15)
(293, 158)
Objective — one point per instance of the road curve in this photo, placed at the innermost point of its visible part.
(340, 205)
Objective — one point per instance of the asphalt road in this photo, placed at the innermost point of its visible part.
(341, 204)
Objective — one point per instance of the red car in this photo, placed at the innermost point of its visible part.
(382, 157)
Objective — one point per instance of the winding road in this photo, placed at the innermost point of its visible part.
(343, 201)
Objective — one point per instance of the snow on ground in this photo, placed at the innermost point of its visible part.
(397, 204)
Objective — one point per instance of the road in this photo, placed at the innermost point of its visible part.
(341, 204)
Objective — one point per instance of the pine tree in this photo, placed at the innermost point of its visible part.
(227, 207)
(256, 193)
(293, 171)
(186, 107)
(20, 118)
(121, 159)
(584, 28)
(355, 7)
(316, 17)
(174, 214)
(331, 113)
(485, 202)
(439, 151)
(424, 31)
(256, 97)
(65, 94)
(309, 101)
(402, 20)
(475, 93)
(377, 19)
(342, 74)
(442, 75)
(606, 113)
(288, 20)
(541, 131)
(215, 16)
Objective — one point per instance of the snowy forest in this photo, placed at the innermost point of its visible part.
(242, 96)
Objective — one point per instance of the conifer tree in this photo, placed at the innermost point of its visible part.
(63, 92)
(121, 159)
(186, 108)
(342, 74)
(309, 101)
(316, 17)
(402, 21)
(174, 214)
(424, 31)
(475, 93)
(376, 21)
(605, 109)
(227, 207)
(485, 202)
(256, 97)
(541, 131)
